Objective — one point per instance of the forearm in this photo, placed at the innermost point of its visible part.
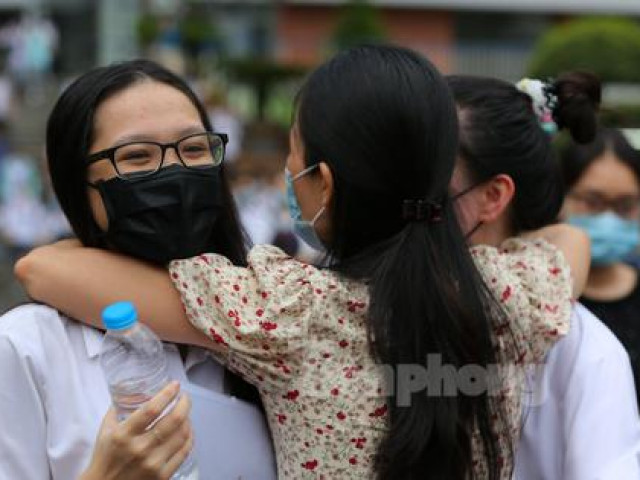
(82, 281)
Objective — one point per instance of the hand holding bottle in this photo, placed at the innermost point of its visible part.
(131, 450)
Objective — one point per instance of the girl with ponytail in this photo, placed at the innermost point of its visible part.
(344, 355)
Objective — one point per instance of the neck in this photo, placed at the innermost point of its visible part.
(603, 274)
(490, 234)
(610, 282)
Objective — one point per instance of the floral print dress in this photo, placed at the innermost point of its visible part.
(298, 333)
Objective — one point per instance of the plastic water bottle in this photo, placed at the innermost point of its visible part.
(135, 366)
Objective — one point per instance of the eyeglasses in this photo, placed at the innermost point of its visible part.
(135, 159)
(626, 206)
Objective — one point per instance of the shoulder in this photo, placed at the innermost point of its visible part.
(536, 265)
(25, 316)
(518, 249)
(266, 265)
(588, 350)
(32, 324)
(531, 281)
(259, 255)
(591, 340)
(266, 255)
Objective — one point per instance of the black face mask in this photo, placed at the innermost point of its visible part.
(165, 216)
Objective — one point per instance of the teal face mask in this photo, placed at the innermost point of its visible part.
(303, 228)
(612, 238)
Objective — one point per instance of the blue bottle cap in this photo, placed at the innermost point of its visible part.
(119, 316)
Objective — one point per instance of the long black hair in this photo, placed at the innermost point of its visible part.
(501, 134)
(383, 120)
(576, 158)
(69, 137)
(70, 134)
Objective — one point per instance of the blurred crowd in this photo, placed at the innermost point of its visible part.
(29, 213)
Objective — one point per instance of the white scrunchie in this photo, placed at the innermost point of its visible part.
(543, 102)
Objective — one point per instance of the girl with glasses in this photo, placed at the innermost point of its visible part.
(602, 182)
(137, 170)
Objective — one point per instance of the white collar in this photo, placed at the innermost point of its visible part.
(92, 340)
(93, 343)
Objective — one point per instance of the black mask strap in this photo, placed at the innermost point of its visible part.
(465, 191)
(462, 194)
(473, 230)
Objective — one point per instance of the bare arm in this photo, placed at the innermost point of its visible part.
(575, 245)
(81, 281)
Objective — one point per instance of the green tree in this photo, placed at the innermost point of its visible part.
(359, 23)
(147, 29)
(198, 30)
(262, 74)
(607, 46)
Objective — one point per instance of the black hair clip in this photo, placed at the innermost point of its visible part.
(421, 210)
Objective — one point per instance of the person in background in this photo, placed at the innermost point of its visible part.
(580, 418)
(23, 214)
(602, 182)
(226, 120)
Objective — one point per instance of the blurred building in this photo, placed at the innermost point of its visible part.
(488, 37)
(467, 36)
(246, 25)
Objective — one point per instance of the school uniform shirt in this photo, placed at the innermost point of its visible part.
(299, 334)
(53, 397)
(581, 422)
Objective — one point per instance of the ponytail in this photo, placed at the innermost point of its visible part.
(572, 101)
(427, 297)
(383, 120)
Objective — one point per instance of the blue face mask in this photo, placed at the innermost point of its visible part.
(612, 238)
(303, 228)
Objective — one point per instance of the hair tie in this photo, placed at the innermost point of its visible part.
(421, 210)
(544, 99)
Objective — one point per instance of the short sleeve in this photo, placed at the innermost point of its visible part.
(532, 282)
(257, 316)
(24, 428)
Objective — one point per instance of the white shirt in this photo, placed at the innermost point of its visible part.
(584, 424)
(53, 396)
(260, 207)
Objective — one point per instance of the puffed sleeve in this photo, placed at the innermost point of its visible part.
(257, 316)
(531, 280)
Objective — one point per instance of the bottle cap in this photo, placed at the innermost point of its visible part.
(119, 316)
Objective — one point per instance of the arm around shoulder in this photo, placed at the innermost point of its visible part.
(81, 281)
